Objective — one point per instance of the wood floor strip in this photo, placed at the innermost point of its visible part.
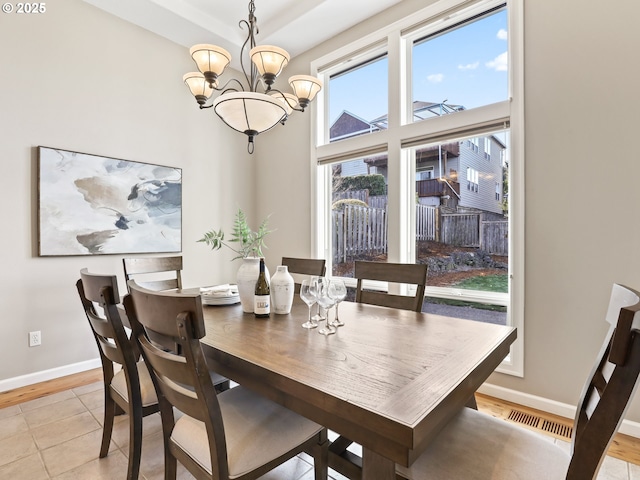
(624, 447)
(38, 390)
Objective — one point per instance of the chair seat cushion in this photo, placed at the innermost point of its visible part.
(477, 446)
(257, 430)
(147, 390)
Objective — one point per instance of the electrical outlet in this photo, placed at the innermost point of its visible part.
(35, 339)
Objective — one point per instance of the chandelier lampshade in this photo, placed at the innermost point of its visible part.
(305, 87)
(198, 86)
(211, 60)
(240, 105)
(250, 113)
(269, 61)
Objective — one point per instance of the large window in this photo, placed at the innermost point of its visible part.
(362, 110)
(461, 66)
(440, 94)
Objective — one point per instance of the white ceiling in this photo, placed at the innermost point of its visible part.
(295, 25)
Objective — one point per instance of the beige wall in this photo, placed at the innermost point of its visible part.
(582, 170)
(79, 79)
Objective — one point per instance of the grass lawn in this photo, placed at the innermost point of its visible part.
(488, 283)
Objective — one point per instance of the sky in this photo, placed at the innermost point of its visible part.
(466, 66)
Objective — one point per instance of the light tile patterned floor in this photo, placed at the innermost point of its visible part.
(58, 437)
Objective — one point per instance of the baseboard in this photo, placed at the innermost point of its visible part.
(546, 405)
(44, 375)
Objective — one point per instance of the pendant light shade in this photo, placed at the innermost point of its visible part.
(305, 87)
(249, 111)
(198, 86)
(269, 60)
(210, 59)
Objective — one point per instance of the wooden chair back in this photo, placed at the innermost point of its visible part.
(610, 386)
(100, 293)
(304, 266)
(102, 290)
(182, 377)
(408, 273)
(146, 269)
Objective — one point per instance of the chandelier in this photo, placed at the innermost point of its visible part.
(255, 106)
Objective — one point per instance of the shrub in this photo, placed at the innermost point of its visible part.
(374, 183)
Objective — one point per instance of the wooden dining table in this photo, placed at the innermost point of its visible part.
(389, 379)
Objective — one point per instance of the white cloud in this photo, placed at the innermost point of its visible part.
(435, 77)
(502, 34)
(469, 66)
(499, 64)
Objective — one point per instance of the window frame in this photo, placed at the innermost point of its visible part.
(396, 41)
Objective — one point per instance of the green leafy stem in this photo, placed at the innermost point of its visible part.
(246, 242)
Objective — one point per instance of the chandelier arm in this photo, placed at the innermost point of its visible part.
(293, 107)
(224, 88)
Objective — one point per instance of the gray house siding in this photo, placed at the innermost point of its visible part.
(489, 172)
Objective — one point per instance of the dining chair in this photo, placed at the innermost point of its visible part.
(304, 266)
(131, 390)
(146, 270)
(409, 273)
(234, 434)
(478, 446)
(341, 459)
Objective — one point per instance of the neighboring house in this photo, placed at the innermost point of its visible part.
(464, 174)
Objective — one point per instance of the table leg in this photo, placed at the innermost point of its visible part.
(377, 467)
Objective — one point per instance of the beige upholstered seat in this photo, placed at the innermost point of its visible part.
(476, 446)
(147, 390)
(235, 434)
(131, 389)
(256, 431)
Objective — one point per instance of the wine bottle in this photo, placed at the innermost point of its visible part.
(262, 294)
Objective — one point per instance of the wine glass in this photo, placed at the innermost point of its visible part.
(326, 302)
(338, 291)
(308, 297)
(315, 285)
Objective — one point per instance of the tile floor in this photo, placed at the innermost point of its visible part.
(58, 437)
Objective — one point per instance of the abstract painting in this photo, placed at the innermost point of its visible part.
(92, 205)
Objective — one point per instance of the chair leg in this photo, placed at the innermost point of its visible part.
(321, 457)
(135, 444)
(471, 403)
(107, 424)
(170, 465)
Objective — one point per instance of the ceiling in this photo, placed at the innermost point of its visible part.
(295, 25)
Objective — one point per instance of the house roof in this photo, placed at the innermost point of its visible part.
(350, 124)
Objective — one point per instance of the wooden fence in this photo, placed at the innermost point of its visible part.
(495, 237)
(426, 225)
(359, 231)
(460, 229)
(469, 230)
